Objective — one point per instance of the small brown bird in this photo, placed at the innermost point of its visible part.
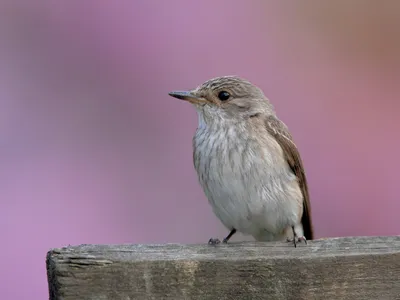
(247, 163)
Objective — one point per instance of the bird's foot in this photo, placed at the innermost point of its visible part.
(296, 240)
(224, 241)
(214, 241)
(302, 239)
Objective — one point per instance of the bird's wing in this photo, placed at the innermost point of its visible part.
(279, 130)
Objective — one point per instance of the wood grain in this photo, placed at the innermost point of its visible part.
(336, 268)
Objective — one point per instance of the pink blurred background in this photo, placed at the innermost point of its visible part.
(93, 150)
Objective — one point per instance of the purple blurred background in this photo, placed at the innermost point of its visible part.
(93, 150)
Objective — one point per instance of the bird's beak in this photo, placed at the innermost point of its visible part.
(188, 96)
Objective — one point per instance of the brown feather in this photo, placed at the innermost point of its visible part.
(279, 130)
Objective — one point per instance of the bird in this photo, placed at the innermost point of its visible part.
(247, 162)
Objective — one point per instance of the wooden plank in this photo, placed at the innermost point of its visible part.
(338, 268)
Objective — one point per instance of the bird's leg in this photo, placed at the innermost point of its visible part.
(225, 240)
(233, 231)
(295, 237)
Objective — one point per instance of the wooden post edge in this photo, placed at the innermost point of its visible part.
(334, 268)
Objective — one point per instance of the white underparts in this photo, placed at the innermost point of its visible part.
(247, 180)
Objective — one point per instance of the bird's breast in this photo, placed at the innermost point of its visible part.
(228, 156)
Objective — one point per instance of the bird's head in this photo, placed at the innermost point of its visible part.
(227, 97)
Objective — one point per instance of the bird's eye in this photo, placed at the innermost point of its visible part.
(223, 96)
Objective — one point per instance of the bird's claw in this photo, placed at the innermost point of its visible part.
(296, 240)
(302, 239)
(213, 241)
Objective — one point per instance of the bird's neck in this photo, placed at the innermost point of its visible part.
(214, 121)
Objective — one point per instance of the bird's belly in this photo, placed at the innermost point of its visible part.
(249, 194)
(251, 211)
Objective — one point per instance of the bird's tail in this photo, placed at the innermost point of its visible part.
(307, 224)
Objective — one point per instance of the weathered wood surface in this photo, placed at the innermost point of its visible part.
(340, 268)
